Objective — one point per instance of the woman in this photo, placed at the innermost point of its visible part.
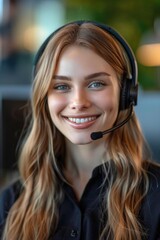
(73, 187)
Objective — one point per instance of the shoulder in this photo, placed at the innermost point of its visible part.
(152, 197)
(153, 193)
(7, 198)
(153, 173)
(150, 209)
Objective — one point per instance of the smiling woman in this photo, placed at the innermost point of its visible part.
(85, 80)
(76, 99)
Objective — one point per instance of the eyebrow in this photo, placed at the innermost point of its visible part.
(90, 76)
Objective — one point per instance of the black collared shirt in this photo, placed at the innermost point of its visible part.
(82, 220)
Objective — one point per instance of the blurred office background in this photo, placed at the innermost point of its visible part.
(23, 27)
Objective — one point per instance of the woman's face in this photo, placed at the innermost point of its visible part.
(84, 95)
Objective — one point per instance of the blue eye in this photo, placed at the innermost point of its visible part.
(96, 84)
(62, 87)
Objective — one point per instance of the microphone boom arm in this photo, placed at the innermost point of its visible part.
(97, 135)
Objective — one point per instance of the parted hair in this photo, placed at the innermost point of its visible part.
(35, 215)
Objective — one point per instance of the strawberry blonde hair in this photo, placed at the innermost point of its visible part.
(35, 213)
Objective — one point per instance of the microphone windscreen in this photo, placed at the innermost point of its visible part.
(96, 135)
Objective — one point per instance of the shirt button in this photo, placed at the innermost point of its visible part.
(74, 233)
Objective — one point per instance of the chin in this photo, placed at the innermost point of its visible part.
(81, 141)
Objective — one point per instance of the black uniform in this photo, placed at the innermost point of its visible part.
(82, 220)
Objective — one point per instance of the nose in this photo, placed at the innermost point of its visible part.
(80, 100)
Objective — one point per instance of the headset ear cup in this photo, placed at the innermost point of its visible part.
(124, 95)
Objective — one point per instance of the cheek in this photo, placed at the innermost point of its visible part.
(55, 104)
(108, 102)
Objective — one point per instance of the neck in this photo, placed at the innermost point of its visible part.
(82, 159)
(79, 164)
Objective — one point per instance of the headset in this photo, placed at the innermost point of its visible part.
(129, 88)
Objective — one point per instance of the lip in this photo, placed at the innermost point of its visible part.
(81, 122)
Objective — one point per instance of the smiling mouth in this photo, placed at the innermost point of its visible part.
(82, 120)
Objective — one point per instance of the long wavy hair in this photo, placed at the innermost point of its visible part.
(35, 213)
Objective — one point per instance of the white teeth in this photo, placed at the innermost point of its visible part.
(81, 120)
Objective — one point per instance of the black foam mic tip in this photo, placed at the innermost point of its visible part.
(96, 135)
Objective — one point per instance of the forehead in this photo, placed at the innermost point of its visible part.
(79, 59)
